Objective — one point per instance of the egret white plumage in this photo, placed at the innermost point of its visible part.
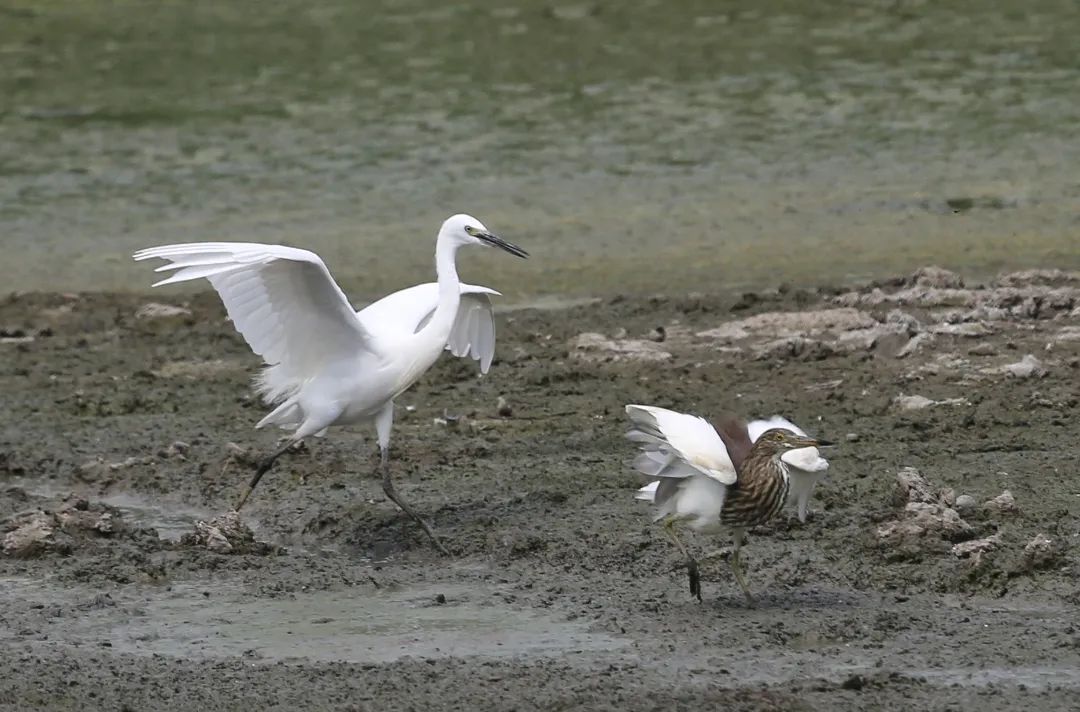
(729, 480)
(326, 363)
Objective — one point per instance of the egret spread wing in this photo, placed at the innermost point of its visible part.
(473, 333)
(281, 299)
(675, 445)
(403, 311)
(409, 310)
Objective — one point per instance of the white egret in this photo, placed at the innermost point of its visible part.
(729, 480)
(326, 363)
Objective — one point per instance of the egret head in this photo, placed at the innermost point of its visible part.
(467, 230)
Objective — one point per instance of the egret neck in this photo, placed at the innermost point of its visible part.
(431, 340)
(442, 320)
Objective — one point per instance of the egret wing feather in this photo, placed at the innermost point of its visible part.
(473, 333)
(409, 310)
(282, 300)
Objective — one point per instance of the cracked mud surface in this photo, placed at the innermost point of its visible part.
(914, 584)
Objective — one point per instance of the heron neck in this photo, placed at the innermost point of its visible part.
(449, 288)
(763, 464)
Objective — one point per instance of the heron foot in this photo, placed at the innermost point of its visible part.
(737, 569)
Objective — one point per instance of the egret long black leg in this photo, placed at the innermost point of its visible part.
(384, 422)
(264, 467)
(391, 492)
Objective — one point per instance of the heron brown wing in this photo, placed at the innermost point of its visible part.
(736, 437)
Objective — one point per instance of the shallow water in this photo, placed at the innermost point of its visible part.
(220, 621)
(171, 520)
(631, 147)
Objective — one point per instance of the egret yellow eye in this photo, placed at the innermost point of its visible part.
(471, 230)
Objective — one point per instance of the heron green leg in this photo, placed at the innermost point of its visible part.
(691, 563)
(737, 569)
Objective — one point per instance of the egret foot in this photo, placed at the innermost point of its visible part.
(391, 492)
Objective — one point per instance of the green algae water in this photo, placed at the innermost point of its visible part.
(631, 147)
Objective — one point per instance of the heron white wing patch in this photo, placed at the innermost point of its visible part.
(755, 428)
(648, 492)
(806, 467)
(808, 459)
(692, 444)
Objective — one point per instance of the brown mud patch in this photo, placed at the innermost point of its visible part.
(938, 568)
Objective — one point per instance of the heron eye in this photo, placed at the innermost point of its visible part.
(471, 230)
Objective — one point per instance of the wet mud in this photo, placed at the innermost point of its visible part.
(937, 569)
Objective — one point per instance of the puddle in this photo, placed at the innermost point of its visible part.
(1036, 677)
(170, 520)
(357, 625)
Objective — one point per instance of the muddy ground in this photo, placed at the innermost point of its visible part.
(123, 426)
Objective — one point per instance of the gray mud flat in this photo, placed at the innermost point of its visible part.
(940, 593)
(353, 625)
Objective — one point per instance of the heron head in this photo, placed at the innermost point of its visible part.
(467, 230)
(777, 441)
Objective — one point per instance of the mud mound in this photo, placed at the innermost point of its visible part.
(227, 534)
(74, 523)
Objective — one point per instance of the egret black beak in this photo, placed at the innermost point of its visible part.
(496, 241)
(825, 443)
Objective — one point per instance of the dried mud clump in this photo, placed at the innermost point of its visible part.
(808, 335)
(927, 522)
(1027, 367)
(933, 522)
(930, 319)
(1003, 504)
(592, 347)
(76, 521)
(227, 534)
(1041, 553)
(156, 310)
(975, 548)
